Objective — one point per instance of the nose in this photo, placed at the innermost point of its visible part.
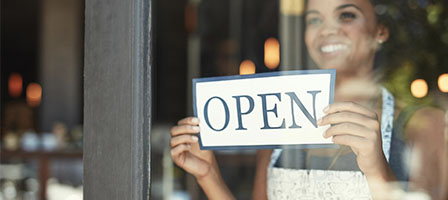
(329, 29)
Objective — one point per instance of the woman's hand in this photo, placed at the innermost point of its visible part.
(185, 148)
(200, 163)
(358, 127)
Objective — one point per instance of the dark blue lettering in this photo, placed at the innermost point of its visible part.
(226, 109)
(274, 110)
(294, 98)
(238, 109)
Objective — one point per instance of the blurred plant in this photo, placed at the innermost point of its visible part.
(417, 47)
(399, 82)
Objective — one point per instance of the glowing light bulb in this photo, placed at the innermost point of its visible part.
(247, 67)
(271, 53)
(419, 88)
(443, 83)
(15, 85)
(33, 94)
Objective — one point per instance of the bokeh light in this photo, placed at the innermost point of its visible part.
(271, 53)
(15, 85)
(33, 94)
(247, 67)
(191, 18)
(419, 88)
(443, 82)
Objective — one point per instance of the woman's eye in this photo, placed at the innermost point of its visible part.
(347, 16)
(313, 21)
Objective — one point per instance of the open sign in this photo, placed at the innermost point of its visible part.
(266, 110)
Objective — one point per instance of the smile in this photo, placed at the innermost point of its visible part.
(333, 48)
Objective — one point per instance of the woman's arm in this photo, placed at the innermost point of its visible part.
(213, 185)
(260, 182)
(425, 133)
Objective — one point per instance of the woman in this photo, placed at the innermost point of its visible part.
(344, 35)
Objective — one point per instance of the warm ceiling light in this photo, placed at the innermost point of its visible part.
(33, 94)
(443, 82)
(419, 88)
(191, 17)
(15, 84)
(247, 67)
(271, 53)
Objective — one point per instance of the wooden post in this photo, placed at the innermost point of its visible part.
(117, 99)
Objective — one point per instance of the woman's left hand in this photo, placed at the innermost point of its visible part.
(358, 127)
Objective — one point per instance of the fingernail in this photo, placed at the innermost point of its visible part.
(194, 138)
(196, 128)
(326, 109)
(323, 134)
(195, 120)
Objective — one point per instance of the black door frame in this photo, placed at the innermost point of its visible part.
(117, 99)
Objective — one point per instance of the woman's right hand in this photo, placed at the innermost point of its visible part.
(200, 163)
(185, 150)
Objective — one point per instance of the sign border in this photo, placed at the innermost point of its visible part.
(332, 73)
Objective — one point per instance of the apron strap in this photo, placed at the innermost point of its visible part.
(387, 120)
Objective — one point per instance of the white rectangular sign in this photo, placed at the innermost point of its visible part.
(266, 110)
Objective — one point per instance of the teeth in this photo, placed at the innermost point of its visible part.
(333, 47)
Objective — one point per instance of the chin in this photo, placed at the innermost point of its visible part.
(332, 61)
(334, 65)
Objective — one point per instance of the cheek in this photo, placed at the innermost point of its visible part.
(359, 32)
(309, 39)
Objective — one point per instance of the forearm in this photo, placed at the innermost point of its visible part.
(383, 176)
(214, 186)
(382, 182)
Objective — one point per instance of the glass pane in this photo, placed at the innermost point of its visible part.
(390, 110)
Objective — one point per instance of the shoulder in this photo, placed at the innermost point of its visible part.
(426, 122)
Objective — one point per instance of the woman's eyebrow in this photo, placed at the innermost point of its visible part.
(311, 12)
(348, 5)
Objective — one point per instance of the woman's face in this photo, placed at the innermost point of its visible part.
(342, 34)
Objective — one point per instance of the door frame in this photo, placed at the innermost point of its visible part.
(117, 99)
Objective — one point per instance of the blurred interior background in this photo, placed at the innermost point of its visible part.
(42, 80)
(41, 99)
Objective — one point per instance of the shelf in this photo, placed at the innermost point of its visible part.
(38, 154)
(44, 158)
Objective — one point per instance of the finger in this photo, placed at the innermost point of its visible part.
(183, 139)
(350, 140)
(179, 149)
(352, 107)
(356, 118)
(184, 129)
(189, 121)
(348, 128)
